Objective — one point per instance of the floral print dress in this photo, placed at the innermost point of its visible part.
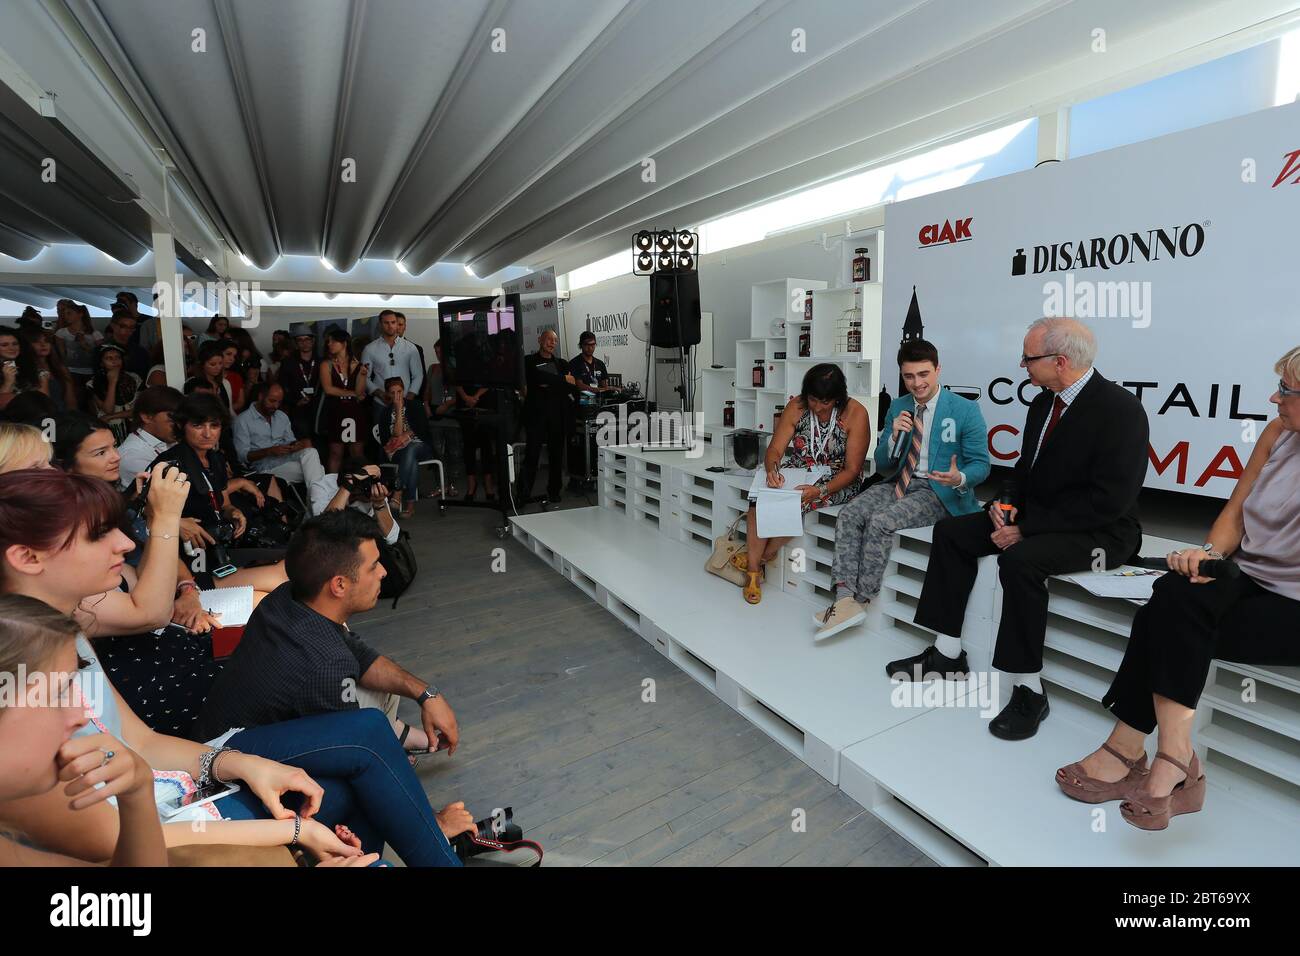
(799, 454)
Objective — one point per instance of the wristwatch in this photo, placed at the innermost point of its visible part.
(429, 693)
(1209, 548)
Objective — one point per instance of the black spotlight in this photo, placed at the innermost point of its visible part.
(643, 241)
(666, 240)
(665, 261)
(685, 261)
(643, 264)
(685, 240)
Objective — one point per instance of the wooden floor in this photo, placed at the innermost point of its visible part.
(548, 689)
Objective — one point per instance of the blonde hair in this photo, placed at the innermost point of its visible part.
(1288, 366)
(18, 444)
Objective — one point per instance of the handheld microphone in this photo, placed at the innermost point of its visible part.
(1007, 500)
(1209, 568)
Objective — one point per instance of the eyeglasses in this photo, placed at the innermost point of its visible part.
(1026, 359)
(1284, 392)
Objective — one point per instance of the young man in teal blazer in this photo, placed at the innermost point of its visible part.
(932, 453)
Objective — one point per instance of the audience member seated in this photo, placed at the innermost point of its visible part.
(153, 434)
(210, 375)
(942, 454)
(822, 430)
(357, 485)
(299, 657)
(39, 754)
(18, 372)
(53, 376)
(1252, 618)
(113, 389)
(122, 333)
(200, 421)
(32, 408)
(349, 791)
(404, 432)
(1082, 462)
(265, 442)
(83, 445)
(22, 447)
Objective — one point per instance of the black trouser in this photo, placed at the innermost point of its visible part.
(480, 443)
(1023, 569)
(544, 425)
(1184, 626)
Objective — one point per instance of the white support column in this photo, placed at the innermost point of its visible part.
(1054, 135)
(170, 287)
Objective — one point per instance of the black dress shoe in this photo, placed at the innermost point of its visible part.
(1019, 720)
(929, 665)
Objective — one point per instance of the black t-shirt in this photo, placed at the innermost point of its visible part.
(199, 504)
(595, 374)
(545, 379)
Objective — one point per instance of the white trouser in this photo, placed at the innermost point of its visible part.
(300, 466)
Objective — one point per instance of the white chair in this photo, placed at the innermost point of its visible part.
(423, 463)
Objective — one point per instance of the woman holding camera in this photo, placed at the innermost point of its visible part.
(1251, 618)
(41, 752)
(351, 785)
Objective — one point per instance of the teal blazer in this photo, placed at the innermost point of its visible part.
(956, 428)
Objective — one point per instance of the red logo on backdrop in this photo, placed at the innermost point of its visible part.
(1292, 166)
(951, 231)
(528, 283)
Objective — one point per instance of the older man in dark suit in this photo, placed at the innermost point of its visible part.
(1082, 463)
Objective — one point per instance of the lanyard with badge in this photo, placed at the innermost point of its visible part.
(820, 441)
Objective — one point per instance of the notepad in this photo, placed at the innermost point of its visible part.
(778, 513)
(794, 477)
(235, 605)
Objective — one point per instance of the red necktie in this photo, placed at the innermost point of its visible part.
(1058, 406)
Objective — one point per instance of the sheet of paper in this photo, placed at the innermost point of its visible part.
(235, 605)
(777, 513)
(793, 478)
(1126, 582)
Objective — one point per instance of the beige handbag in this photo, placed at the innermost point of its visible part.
(724, 547)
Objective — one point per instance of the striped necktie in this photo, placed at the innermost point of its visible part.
(913, 453)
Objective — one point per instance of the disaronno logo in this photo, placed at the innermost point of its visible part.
(1153, 245)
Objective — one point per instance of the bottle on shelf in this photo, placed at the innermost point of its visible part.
(855, 337)
(729, 415)
(807, 307)
(776, 417)
(805, 342)
(861, 265)
(759, 376)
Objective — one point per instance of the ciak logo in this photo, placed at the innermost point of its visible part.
(1292, 165)
(957, 230)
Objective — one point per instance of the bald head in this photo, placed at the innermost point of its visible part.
(546, 343)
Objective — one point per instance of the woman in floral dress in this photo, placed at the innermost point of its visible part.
(822, 427)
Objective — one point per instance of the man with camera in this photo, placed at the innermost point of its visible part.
(358, 486)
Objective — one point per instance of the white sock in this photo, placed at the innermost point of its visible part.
(947, 645)
(1032, 681)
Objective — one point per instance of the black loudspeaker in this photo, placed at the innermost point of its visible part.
(674, 308)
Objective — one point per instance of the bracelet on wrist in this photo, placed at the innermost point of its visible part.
(186, 586)
(297, 830)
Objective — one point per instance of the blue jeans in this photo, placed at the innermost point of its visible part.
(408, 466)
(369, 785)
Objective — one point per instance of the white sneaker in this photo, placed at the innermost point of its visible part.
(843, 613)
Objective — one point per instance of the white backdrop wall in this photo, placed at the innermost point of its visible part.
(725, 280)
(1178, 252)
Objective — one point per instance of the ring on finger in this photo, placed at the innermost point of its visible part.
(108, 755)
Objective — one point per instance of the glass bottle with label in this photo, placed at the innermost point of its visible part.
(759, 377)
(807, 307)
(855, 337)
(776, 418)
(861, 265)
(729, 415)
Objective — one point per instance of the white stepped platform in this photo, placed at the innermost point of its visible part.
(815, 699)
(994, 801)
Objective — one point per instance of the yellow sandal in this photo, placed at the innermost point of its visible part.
(753, 590)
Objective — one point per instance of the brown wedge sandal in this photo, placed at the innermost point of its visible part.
(1154, 813)
(1077, 785)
